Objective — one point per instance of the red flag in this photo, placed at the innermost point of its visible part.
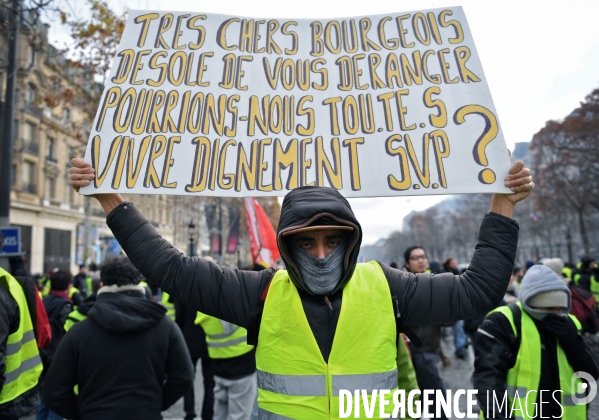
(263, 239)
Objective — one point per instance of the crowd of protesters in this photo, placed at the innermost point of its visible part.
(276, 343)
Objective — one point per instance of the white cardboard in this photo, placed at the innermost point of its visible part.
(362, 158)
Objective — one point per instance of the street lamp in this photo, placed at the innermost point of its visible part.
(190, 231)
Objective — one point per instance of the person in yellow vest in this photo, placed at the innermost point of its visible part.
(167, 302)
(326, 323)
(80, 313)
(529, 352)
(234, 366)
(567, 271)
(20, 363)
(80, 281)
(587, 276)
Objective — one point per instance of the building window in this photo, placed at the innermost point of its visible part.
(57, 249)
(30, 132)
(13, 174)
(30, 139)
(50, 186)
(29, 177)
(30, 94)
(50, 143)
(67, 115)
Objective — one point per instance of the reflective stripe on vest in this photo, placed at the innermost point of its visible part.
(170, 307)
(23, 365)
(293, 379)
(224, 340)
(525, 375)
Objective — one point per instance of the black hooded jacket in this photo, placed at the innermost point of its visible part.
(119, 357)
(233, 295)
(58, 310)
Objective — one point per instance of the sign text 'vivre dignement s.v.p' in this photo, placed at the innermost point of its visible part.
(223, 105)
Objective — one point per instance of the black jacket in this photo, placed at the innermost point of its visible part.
(80, 283)
(58, 310)
(232, 295)
(585, 278)
(496, 350)
(119, 357)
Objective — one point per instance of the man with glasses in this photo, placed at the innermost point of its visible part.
(425, 358)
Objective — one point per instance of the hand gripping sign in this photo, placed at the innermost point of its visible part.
(221, 105)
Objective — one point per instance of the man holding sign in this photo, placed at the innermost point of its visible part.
(318, 110)
(327, 322)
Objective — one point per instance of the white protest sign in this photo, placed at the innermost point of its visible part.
(221, 105)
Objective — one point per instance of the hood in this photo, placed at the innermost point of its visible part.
(301, 207)
(87, 304)
(125, 312)
(54, 303)
(540, 279)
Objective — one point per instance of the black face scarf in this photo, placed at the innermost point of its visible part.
(320, 275)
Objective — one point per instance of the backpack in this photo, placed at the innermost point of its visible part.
(583, 308)
(39, 318)
(57, 316)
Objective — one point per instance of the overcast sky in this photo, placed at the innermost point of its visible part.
(540, 59)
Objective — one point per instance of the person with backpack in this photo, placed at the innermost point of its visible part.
(58, 306)
(128, 360)
(338, 317)
(530, 351)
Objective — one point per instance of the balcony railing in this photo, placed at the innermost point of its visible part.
(31, 146)
(30, 188)
(34, 110)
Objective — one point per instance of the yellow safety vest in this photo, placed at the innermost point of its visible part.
(23, 364)
(224, 340)
(525, 376)
(73, 318)
(170, 307)
(72, 293)
(294, 381)
(594, 285)
(567, 272)
(47, 285)
(88, 284)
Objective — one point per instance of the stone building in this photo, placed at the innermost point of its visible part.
(55, 221)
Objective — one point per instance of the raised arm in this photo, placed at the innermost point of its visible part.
(203, 285)
(427, 299)
(448, 298)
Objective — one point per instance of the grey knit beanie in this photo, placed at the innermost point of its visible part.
(538, 281)
(551, 299)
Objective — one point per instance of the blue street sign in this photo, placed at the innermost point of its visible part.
(10, 238)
